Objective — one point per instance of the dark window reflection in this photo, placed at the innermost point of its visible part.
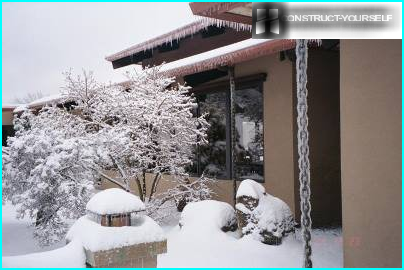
(249, 128)
(212, 156)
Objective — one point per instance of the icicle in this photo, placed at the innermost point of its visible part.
(188, 30)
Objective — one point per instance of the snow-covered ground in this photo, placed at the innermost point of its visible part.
(69, 256)
(186, 248)
(17, 237)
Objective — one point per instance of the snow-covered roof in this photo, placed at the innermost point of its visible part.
(20, 108)
(228, 55)
(48, 100)
(114, 201)
(177, 34)
(95, 237)
(9, 106)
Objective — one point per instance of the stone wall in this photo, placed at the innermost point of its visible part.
(136, 256)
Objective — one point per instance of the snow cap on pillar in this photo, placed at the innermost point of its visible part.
(114, 201)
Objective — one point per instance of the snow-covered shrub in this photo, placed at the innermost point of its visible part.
(184, 192)
(45, 170)
(262, 215)
(143, 127)
(208, 216)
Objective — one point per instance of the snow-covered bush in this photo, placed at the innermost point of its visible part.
(45, 170)
(209, 216)
(262, 215)
(145, 126)
(184, 192)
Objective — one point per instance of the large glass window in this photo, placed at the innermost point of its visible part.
(212, 156)
(214, 159)
(249, 134)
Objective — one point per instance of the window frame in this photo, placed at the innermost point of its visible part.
(242, 83)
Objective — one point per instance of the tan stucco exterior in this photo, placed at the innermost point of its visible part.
(278, 123)
(7, 117)
(324, 138)
(371, 152)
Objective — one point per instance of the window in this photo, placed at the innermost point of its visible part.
(8, 131)
(249, 162)
(214, 158)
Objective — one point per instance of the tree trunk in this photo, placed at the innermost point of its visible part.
(154, 185)
(144, 185)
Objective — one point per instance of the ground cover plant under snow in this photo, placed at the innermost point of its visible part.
(265, 217)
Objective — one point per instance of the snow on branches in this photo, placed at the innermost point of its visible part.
(45, 170)
(143, 127)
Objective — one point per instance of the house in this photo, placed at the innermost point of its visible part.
(354, 121)
(265, 119)
(7, 122)
(9, 110)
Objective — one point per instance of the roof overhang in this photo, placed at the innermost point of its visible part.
(202, 35)
(226, 56)
(238, 12)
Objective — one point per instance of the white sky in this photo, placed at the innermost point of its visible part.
(42, 40)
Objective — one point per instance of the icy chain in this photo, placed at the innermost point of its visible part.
(303, 148)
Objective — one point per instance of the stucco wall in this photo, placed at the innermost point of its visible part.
(371, 152)
(278, 123)
(7, 117)
(324, 138)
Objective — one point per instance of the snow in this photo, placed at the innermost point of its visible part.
(250, 188)
(207, 216)
(114, 201)
(212, 54)
(95, 237)
(273, 215)
(200, 243)
(228, 250)
(10, 106)
(48, 100)
(187, 247)
(17, 234)
(20, 108)
(69, 256)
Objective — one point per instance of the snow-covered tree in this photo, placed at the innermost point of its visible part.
(143, 127)
(45, 170)
(146, 125)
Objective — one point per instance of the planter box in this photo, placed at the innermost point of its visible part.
(136, 256)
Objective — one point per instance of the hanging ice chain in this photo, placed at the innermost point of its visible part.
(303, 147)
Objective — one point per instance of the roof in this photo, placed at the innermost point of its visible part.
(9, 107)
(229, 55)
(48, 100)
(230, 11)
(177, 34)
(41, 102)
